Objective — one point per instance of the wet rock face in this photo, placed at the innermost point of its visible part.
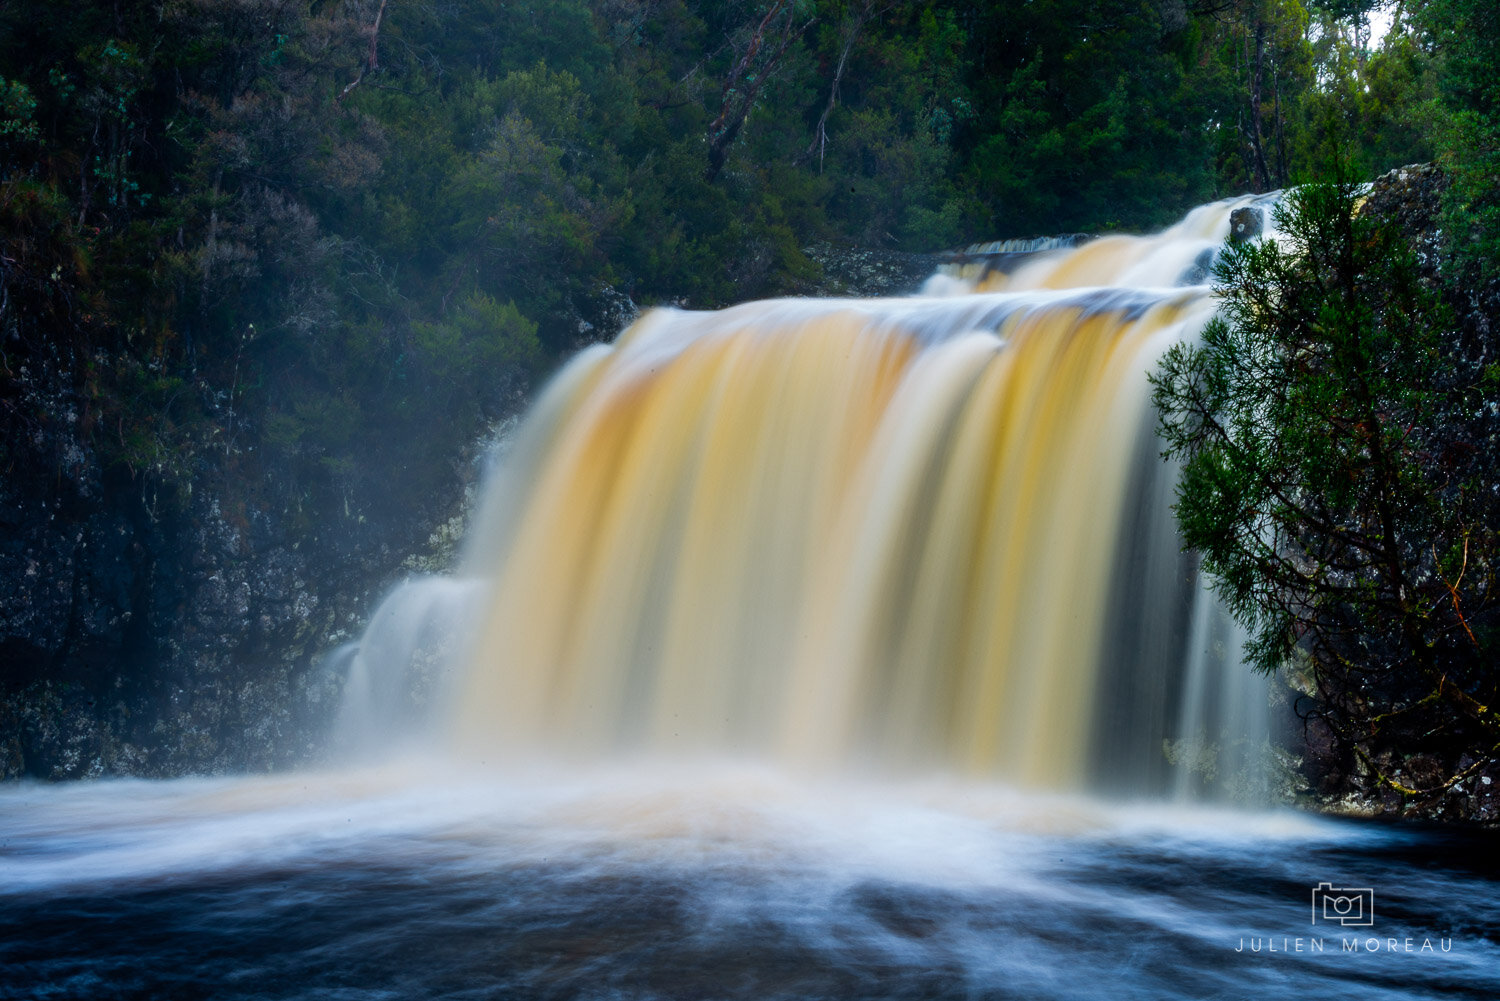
(178, 620)
(601, 313)
(133, 643)
(146, 631)
(1412, 197)
(849, 271)
(69, 577)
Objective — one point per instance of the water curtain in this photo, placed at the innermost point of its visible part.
(915, 533)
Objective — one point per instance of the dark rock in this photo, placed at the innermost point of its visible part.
(600, 314)
(146, 630)
(1246, 223)
(862, 272)
(1199, 271)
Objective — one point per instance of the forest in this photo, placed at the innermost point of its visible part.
(319, 246)
(329, 230)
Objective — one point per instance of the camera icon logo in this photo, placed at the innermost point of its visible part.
(1350, 907)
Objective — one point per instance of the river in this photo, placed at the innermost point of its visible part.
(717, 881)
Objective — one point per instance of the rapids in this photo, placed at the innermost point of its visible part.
(423, 881)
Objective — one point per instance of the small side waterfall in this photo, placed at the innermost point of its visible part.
(918, 533)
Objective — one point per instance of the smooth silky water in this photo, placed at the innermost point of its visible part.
(807, 649)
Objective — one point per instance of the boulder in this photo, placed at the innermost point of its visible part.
(1246, 223)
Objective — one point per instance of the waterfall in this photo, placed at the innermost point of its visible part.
(920, 533)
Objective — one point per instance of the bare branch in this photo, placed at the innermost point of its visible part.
(372, 61)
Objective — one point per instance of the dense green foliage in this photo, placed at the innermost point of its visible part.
(1339, 462)
(301, 232)
(1467, 35)
(1338, 423)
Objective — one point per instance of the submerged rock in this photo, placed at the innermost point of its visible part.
(1199, 272)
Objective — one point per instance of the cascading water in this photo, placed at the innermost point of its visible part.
(910, 562)
(929, 532)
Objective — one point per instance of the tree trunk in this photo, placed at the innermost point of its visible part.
(1257, 76)
(737, 103)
